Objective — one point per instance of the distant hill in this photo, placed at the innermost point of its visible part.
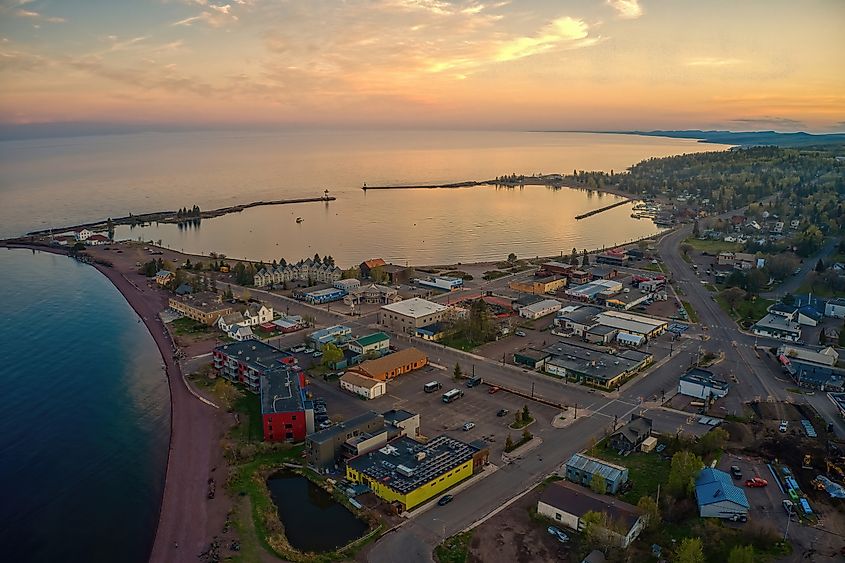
(751, 138)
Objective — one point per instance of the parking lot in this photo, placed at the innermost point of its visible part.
(765, 501)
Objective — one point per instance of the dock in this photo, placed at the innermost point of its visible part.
(601, 209)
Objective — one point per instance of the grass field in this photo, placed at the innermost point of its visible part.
(746, 310)
(645, 471)
(184, 326)
(454, 549)
(691, 313)
(819, 289)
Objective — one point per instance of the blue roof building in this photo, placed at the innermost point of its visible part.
(580, 469)
(717, 496)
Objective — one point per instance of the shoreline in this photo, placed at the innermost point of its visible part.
(186, 516)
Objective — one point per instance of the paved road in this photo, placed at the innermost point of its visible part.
(792, 283)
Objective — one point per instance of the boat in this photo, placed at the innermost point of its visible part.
(299, 219)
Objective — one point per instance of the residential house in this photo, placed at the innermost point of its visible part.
(376, 344)
(738, 260)
(835, 308)
(581, 468)
(337, 334)
(567, 504)
(240, 333)
(629, 437)
(717, 496)
(304, 271)
(164, 277)
(258, 314)
(98, 240)
(367, 267)
(225, 322)
(83, 234)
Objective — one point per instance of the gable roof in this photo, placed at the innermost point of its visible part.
(638, 426)
(712, 486)
(374, 263)
(576, 500)
(594, 466)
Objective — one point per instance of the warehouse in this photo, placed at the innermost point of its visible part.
(632, 324)
(578, 320)
(409, 315)
(540, 309)
(581, 468)
(593, 290)
(593, 367)
(533, 359)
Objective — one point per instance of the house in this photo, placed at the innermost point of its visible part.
(337, 334)
(164, 277)
(567, 504)
(392, 365)
(323, 449)
(835, 308)
(82, 235)
(409, 315)
(367, 266)
(540, 309)
(225, 322)
(776, 326)
(204, 308)
(702, 384)
(240, 333)
(580, 469)
(376, 344)
(407, 473)
(286, 414)
(737, 260)
(534, 359)
(258, 314)
(717, 496)
(362, 386)
(98, 240)
(629, 437)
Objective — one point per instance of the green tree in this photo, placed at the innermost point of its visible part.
(690, 551)
(508, 443)
(686, 248)
(733, 296)
(573, 259)
(598, 484)
(378, 274)
(585, 259)
(526, 414)
(713, 441)
(331, 355)
(526, 435)
(685, 467)
(511, 258)
(820, 267)
(696, 229)
(457, 372)
(781, 266)
(756, 281)
(649, 507)
(741, 554)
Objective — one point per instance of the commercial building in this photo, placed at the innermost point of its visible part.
(204, 308)
(323, 448)
(337, 334)
(702, 384)
(164, 277)
(632, 324)
(245, 362)
(540, 309)
(347, 285)
(613, 257)
(600, 335)
(717, 496)
(627, 299)
(631, 340)
(556, 268)
(362, 386)
(579, 320)
(289, 323)
(409, 473)
(737, 260)
(376, 344)
(408, 315)
(320, 296)
(815, 369)
(594, 290)
(594, 367)
(440, 282)
(534, 359)
(778, 327)
(397, 275)
(392, 365)
(567, 503)
(432, 332)
(405, 422)
(286, 414)
(835, 308)
(632, 435)
(581, 468)
(372, 293)
(546, 284)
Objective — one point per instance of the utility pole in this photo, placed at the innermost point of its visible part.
(576, 411)
(532, 389)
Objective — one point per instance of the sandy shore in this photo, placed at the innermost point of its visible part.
(187, 518)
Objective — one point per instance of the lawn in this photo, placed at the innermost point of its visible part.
(494, 274)
(460, 342)
(746, 309)
(454, 549)
(818, 289)
(184, 326)
(653, 267)
(645, 471)
(712, 246)
(691, 313)
(251, 427)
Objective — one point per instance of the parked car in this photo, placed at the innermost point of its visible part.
(739, 518)
(317, 354)
(502, 412)
(520, 333)
(789, 506)
(308, 350)
(468, 426)
(493, 390)
(558, 533)
(325, 424)
(756, 482)
(444, 500)
(736, 472)
(784, 424)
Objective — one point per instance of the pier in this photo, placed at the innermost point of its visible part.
(601, 209)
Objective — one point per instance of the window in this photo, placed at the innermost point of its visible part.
(558, 516)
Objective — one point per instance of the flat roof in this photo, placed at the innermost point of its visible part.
(532, 354)
(704, 377)
(581, 314)
(330, 331)
(254, 353)
(601, 329)
(776, 322)
(343, 428)
(405, 464)
(594, 363)
(570, 498)
(593, 288)
(543, 305)
(397, 415)
(414, 307)
(631, 323)
(327, 291)
(280, 391)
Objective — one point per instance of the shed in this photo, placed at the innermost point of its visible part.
(648, 444)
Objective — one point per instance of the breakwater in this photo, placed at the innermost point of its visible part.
(600, 209)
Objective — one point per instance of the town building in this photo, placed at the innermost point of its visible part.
(815, 369)
(392, 365)
(164, 277)
(558, 268)
(432, 332)
(337, 335)
(600, 335)
(405, 422)
(579, 277)
(630, 340)
(835, 308)
(408, 315)
(567, 504)
(578, 320)
(632, 324)
(83, 234)
(627, 299)
(322, 296)
(593, 367)
(366, 267)
(397, 275)
(287, 415)
(580, 469)
(717, 496)
(534, 359)
(362, 386)
(376, 344)
(737, 260)
(540, 309)
(305, 271)
(245, 362)
(289, 323)
(539, 286)
(97, 240)
(632, 435)
(229, 320)
(204, 308)
(408, 473)
(347, 285)
(613, 257)
(702, 384)
(596, 290)
(323, 448)
(258, 314)
(372, 293)
(442, 283)
(778, 327)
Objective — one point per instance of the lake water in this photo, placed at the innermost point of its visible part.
(97, 177)
(84, 416)
(313, 520)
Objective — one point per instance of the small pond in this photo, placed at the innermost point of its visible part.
(313, 520)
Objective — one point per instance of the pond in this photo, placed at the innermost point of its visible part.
(313, 520)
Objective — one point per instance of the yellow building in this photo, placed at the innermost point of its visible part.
(203, 308)
(539, 285)
(410, 473)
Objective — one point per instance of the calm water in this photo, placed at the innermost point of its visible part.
(84, 417)
(313, 520)
(96, 177)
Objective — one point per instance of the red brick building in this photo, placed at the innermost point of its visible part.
(287, 415)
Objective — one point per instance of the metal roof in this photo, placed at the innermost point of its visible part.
(595, 466)
(712, 486)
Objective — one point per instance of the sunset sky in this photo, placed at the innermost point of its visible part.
(519, 64)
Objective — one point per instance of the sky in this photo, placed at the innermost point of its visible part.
(473, 64)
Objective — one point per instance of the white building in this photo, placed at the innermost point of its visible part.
(717, 496)
(347, 285)
(409, 315)
(440, 282)
(824, 357)
(702, 384)
(632, 324)
(365, 387)
(240, 333)
(377, 343)
(84, 234)
(226, 322)
(257, 314)
(775, 326)
(835, 308)
(540, 309)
